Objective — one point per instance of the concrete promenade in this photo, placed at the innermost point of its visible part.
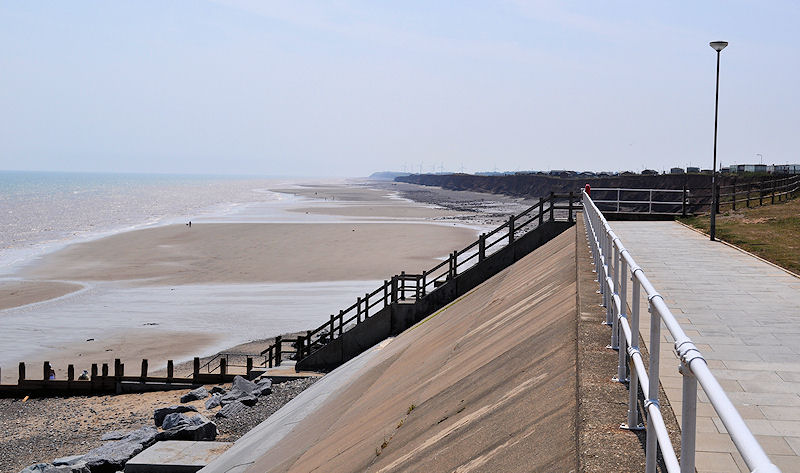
(744, 315)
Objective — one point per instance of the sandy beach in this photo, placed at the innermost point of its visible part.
(169, 292)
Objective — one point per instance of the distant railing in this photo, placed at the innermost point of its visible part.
(404, 287)
(649, 201)
(613, 264)
(747, 193)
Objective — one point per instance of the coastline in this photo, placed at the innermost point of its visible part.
(155, 290)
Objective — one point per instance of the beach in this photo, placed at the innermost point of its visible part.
(173, 291)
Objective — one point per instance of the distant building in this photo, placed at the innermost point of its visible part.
(649, 172)
(787, 169)
(692, 170)
(676, 170)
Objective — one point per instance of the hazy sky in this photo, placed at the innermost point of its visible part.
(351, 87)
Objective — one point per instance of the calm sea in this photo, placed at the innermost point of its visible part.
(40, 211)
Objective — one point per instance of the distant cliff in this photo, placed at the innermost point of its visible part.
(536, 185)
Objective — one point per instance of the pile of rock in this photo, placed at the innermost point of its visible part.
(121, 446)
(243, 393)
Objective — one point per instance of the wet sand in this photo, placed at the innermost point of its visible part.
(254, 252)
(17, 293)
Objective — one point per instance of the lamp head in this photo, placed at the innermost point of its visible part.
(718, 45)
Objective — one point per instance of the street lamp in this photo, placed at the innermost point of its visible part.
(718, 47)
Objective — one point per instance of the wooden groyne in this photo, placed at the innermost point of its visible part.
(101, 380)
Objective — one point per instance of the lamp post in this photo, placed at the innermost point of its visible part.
(718, 47)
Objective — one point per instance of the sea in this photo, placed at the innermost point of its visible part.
(42, 211)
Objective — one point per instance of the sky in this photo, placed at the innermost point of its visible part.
(346, 88)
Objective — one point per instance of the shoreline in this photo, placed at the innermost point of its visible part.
(382, 214)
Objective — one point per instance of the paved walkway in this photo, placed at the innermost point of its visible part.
(744, 315)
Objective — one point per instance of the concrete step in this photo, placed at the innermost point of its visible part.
(176, 456)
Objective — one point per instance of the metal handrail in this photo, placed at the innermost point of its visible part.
(612, 262)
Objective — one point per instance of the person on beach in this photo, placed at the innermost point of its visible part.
(52, 374)
(84, 376)
(189, 224)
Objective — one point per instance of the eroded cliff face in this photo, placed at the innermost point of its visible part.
(534, 185)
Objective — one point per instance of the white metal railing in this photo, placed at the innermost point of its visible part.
(636, 205)
(612, 264)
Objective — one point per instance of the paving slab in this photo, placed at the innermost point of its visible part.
(176, 456)
(744, 314)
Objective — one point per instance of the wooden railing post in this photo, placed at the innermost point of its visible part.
(21, 379)
(402, 285)
(249, 367)
(117, 365)
(510, 229)
(170, 371)
(552, 201)
(749, 187)
(333, 317)
(424, 281)
(541, 210)
(366, 306)
(308, 343)
(482, 247)
(571, 198)
(455, 264)
(278, 353)
(143, 376)
(269, 360)
(196, 370)
(223, 368)
(341, 322)
(394, 288)
(386, 300)
(358, 310)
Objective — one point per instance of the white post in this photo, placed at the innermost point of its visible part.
(651, 451)
(688, 419)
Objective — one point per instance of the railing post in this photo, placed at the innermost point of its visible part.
(278, 353)
(571, 198)
(270, 359)
(223, 368)
(386, 300)
(688, 419)
(733, 202)
(358, 310)
(333, 317)
(510, 229)
(424, 281)
(482, 247)
(402, 285)
(633, 386)
(341, 322)
(249, 367)
(195, 370)
(761, 192)
(622, 284)
(749, 187)
(394, 288)
(613, 290)
(143, 376)
(619, 197)
(651, 451)
(455, 264)
(366, 306)
(650, 208)
(170, 371)
(541, 210)
(552, 202)
(105, 370)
